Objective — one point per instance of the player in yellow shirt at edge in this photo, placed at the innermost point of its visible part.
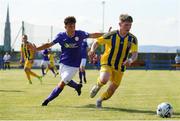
(118, 45)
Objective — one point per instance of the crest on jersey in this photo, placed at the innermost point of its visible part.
(76, 38)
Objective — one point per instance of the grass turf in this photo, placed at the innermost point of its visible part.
(136, 99)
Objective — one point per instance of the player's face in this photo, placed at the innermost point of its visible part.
(125, 26)
(70, 27)
(24, 39)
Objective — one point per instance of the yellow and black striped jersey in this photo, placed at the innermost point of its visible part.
(117, 48)
(28, 53)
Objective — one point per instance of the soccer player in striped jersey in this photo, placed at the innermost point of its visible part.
(27, 56)
(52, 65)
(118, 45)
(82, 72)
(70, 58)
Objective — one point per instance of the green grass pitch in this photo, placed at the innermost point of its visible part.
(136, 99)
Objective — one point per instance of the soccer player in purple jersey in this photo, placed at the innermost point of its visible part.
(82, 72)
(70, 58)
(45, 62)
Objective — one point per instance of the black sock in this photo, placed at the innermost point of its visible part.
(42, 69)
(80, 76)
(84, 74)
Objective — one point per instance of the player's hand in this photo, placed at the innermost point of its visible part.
(110, 29)
(21, 62)
(127, 62)
(81, 69)
(91, 55)
(95, 59)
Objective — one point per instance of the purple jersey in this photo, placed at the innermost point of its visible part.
(71, 47)
(84, 49)
(45, 55)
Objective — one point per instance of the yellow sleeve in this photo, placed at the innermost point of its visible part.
(21, 49)
(101, 40)
(134, 46)
(106, 38)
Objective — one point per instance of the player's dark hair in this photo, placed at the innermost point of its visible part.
(70, 20)
(24, 35)
(125, 18)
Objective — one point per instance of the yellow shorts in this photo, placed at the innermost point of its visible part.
(115, 76)
(52, 64)
(28, 64)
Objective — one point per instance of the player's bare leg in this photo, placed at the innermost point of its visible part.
(47, 69)
(106, 95)
(52, 69)
(28, 75)
(102, 80)
(37, 76)
(56, 70)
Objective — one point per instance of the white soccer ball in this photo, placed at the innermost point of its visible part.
(164, 110)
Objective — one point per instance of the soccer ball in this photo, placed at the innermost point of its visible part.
(164, 110)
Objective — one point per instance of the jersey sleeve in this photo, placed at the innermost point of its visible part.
(101, 40)
(84, 34)
(21, 49)
(134, 47)
(57, 39)
(106, 37)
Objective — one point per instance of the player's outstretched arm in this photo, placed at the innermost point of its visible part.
(96, 35)
(44, 46)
